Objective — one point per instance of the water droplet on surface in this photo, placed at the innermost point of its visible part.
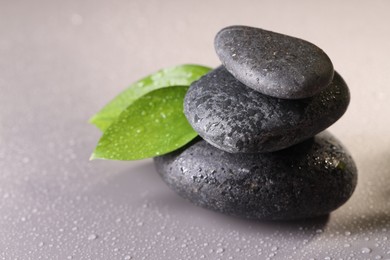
(220, 250)
(76, 19)
(92, 237)
(366, 250)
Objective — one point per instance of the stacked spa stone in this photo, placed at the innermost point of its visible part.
(261, 154)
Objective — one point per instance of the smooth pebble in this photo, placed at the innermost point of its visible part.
(272, 63)
(309, 179)
(238, 119)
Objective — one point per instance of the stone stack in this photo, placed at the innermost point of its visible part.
(260, 116)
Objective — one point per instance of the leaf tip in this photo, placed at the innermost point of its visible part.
(92, 119)
(96, 121)
(93, 157)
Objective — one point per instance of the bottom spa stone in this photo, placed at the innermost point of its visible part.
(306, 180)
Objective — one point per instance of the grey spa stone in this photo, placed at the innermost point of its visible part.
(310, 179)
(274, 64)
(238, 119)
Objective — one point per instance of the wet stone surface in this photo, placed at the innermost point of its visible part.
(274, 64)
(238, 119)
(309, 179)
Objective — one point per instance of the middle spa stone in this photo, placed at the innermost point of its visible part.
(238, 119)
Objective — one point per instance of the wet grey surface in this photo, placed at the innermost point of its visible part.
(62, 60)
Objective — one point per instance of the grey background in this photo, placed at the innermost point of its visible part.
(61, 61)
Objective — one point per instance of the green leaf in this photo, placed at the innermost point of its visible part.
(182, 75)
(152, 125)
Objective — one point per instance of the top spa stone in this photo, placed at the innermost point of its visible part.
(274, 64)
